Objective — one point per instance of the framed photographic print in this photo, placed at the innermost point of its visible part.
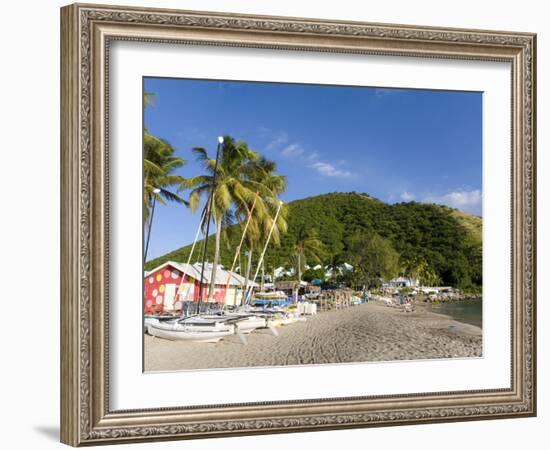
(279, 224)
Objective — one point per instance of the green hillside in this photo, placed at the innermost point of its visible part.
(447, 240)
(473, 224)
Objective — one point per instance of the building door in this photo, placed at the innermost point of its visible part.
(169, 296)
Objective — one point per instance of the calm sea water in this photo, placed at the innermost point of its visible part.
(467, 311)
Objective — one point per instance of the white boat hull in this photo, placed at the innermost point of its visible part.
(158, 320)
(249, 324)
(244, 323)
(280, 321)
(178, 332)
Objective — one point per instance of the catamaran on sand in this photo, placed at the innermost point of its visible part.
(178, 331)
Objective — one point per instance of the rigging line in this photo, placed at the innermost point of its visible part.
(199, 228)
(238, 250)
(260, 261)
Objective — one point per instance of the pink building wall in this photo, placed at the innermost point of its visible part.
(154, 288)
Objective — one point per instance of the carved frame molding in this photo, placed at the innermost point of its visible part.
(86, 32)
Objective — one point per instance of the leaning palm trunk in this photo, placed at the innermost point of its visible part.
(262, 279)
(299, 267)
(248, 270)
(215, 262)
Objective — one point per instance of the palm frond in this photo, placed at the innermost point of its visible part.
(170, 196)
(159, 165)
(148, 99)
(152, 169)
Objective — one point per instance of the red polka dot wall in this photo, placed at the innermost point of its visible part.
(167, 285)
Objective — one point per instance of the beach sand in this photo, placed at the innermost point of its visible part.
(369, 332)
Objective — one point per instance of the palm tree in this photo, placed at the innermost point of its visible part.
(148, 99)
(159, 177)
(159, 165)
(261, 175)
(230, 187)
(418, 268)
(307, 247)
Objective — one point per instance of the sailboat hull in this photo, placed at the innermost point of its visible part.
(244, 323)
(249, 324)
(177, 332)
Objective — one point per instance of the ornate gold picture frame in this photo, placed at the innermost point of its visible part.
(87, 32)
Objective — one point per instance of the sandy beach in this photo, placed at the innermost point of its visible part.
(370, 332)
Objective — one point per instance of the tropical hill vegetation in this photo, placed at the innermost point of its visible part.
(437, 244)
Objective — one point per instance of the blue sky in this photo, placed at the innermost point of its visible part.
(394, 144)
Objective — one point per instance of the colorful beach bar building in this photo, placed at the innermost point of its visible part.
(167, 285)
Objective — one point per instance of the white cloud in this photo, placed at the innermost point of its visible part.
(282, 144)
(313, 156)
(279, 140)
(407, 196)
(292, 150)
(329, 170)
(469, 201)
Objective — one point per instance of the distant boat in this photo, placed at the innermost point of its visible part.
(270, 295)
(270, 299)
(270, 303)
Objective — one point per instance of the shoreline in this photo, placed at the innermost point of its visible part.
(455, 310)
(364, 333)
